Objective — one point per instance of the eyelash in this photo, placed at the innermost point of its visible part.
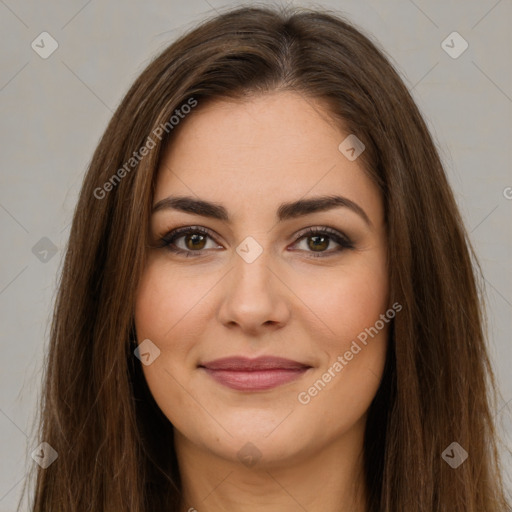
(169, 239)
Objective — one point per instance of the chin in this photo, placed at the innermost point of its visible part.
(260, 443)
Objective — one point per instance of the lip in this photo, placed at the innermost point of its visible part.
(259, 374)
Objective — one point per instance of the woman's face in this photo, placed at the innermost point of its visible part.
(254, 284)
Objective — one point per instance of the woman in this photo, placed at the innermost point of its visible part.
(268, 300)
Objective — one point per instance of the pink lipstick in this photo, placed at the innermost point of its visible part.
(244, 374)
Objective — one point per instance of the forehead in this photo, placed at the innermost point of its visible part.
(269, 148)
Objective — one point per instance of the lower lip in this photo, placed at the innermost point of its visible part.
(258, 380)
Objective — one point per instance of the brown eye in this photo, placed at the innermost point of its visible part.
(195, 241)
(319, 239)
(319, 242)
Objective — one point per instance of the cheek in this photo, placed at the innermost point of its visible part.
(345, 385)
(348, 300)
(155, 306)
(164, 299)
(356, 300)
(161, 308)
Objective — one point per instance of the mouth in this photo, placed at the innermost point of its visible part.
(262, 373)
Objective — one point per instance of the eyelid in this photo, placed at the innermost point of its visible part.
(173, 234)
(316, 230)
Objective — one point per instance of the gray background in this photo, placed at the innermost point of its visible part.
(53, 111)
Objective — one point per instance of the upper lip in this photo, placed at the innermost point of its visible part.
(239, 363)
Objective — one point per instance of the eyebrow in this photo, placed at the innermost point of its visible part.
(285, 211)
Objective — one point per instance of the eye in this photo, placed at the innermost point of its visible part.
(195, 240)
(318, 239)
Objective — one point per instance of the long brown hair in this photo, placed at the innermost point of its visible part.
(114, 444)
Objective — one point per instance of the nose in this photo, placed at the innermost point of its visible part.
(254, 298)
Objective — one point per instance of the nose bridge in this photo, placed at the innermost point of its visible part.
(253, 296)
(252, 272)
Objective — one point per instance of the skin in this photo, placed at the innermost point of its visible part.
(251, 156)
